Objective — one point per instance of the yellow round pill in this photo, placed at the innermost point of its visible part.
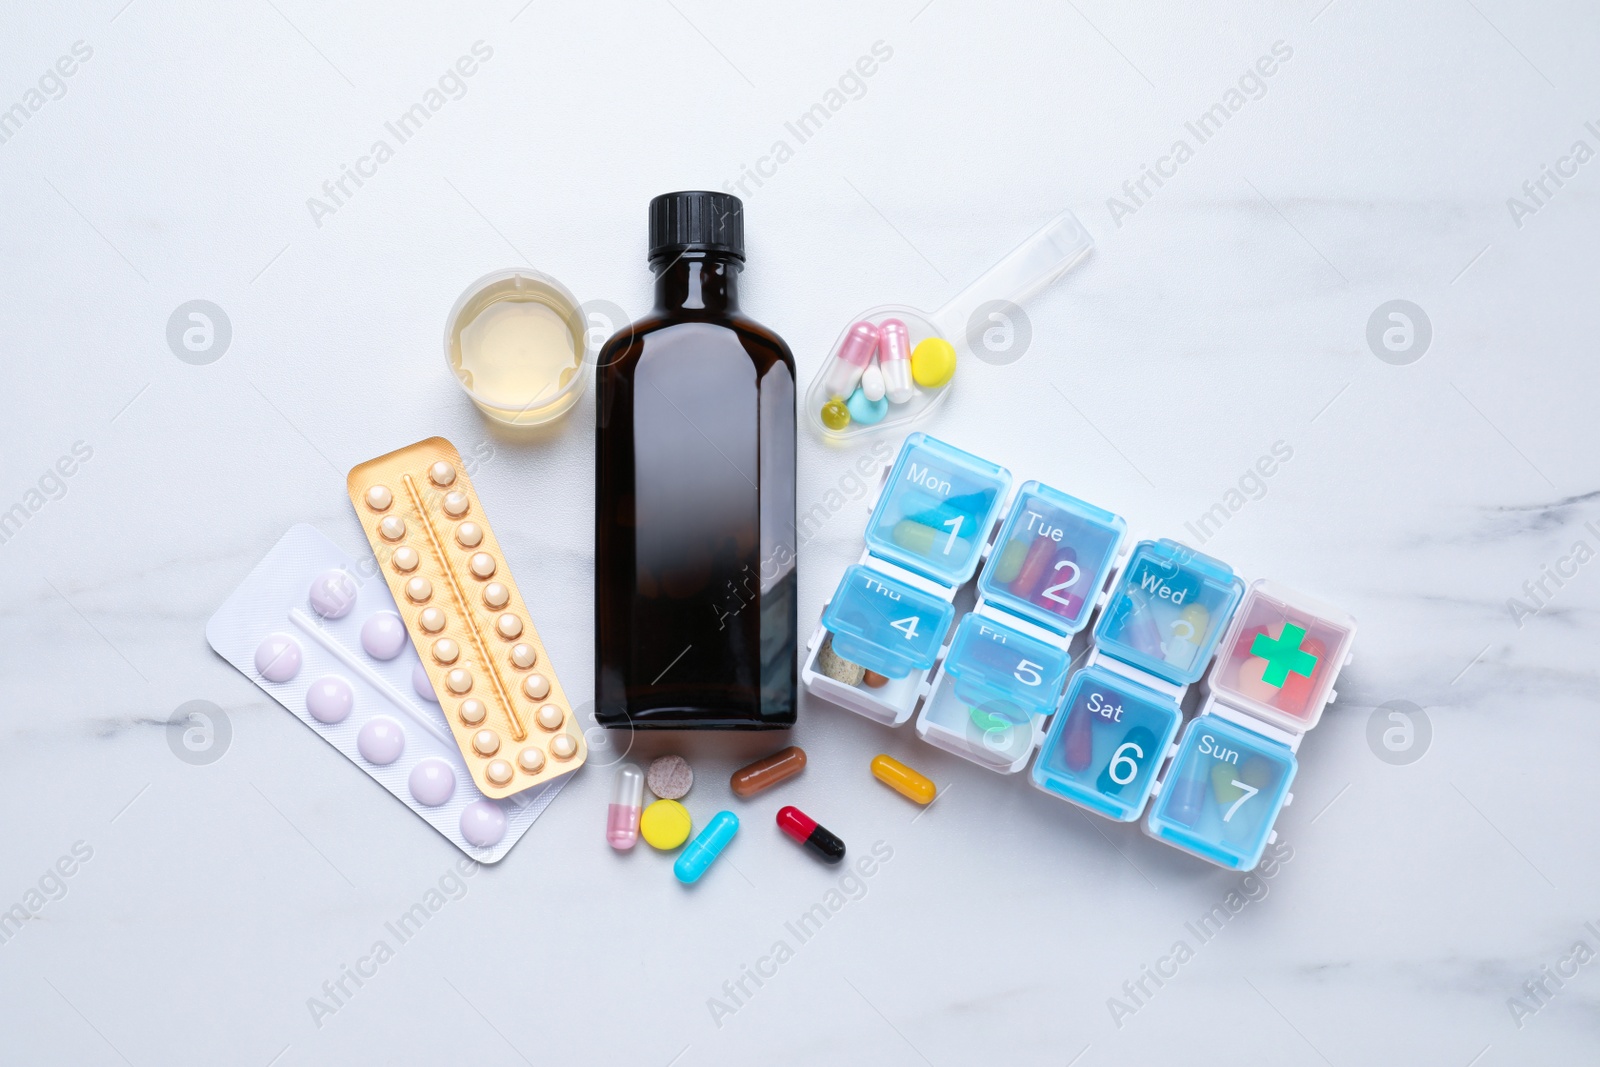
(835, 416)
(665, 825)
(933, 362)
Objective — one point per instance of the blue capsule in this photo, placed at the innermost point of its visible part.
(708, 844)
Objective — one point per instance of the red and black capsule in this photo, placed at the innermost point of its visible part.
(804, 829)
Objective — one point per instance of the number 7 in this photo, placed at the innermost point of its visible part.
(1249, 791)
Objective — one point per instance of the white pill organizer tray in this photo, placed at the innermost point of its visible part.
(999, 685)
(331, 648)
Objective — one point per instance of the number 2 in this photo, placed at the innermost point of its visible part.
(1072, 579)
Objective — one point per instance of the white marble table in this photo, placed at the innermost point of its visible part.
(1225, 310)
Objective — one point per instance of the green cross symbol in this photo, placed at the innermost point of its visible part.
(1283, 655)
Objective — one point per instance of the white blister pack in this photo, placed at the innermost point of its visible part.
(330, 647)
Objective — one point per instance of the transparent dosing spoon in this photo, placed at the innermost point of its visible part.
(979, 319)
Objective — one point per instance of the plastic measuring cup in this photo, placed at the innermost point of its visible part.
(977, 321)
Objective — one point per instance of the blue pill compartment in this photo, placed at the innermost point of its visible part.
(1052, 558)
(886, 625)
(1222, 793)
(1168, 610)
(937, 509)
(1003, 674)
(1107, 743)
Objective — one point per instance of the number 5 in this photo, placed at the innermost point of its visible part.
(1031, 670)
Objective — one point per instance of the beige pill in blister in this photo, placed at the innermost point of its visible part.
(441, 474)
(531, 760)
(431, 620)
(405, 559)
(550, 716)
(455, 504)
(379, 498)
(536, 686)
(459, 681)
(496, 595)
(472, 712)
(446, 651)
(509, 626)
(481, 564)
(562, 746)
(523, 656)
(486, 742)
(469, 535)
(498, 771)
(393, 527)
(419, 589)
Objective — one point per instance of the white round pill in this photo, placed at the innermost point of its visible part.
(432, 782)
(523, 655)
(531, 760)
(441, 474)
(455, 504)
(379, 498)
(469, 535)
(496, 595)
(393, 527)
(482, 564)
(405, 559)
(536, 686)
(509, 626)
(330, 699)
(472, 711)
(431, 620)
(562, 746)
(550, 716)
(381, 740)
(483, 823)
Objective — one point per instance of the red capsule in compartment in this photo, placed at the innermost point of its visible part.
(804, 829)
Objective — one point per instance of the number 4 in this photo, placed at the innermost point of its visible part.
(907, 625)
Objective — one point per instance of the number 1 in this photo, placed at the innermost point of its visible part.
(955, 528)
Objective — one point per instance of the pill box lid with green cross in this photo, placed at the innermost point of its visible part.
(1281, 656)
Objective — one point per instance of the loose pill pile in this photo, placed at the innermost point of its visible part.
(876, 366)
(483, 659)
(330, 647)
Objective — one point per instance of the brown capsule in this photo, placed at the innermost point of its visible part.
(766, 773)
(874, 680)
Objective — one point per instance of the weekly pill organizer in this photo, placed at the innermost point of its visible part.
(998, 687)
(330, 647)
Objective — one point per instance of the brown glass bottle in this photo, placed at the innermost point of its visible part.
(695, 587)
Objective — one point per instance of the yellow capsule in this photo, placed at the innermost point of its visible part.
(933, 362)
(902, 779)
(835, 416)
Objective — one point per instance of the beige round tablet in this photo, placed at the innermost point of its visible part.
(482, 564)
(523, 655)
(498, 772)
(496, 595)
(441, 474)
(550, 716)
(455, 504)
(509, 626)
(469, 535)
(536, 686)
(486, 742)
(393, 527)
(459, 681)
(405, 559)
(446, 650)
(562, 746)
(431, 620)
(472, 711)
(669, 777)
(379, 498)
(531, 760)
(419, 589)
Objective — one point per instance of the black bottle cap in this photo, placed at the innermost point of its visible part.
(696, 222)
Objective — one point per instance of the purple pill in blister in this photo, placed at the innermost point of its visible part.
(383, 635)
(333, 594)
(432, 782)
(420, 682)
(483, 823)
(278, 658)
(330, 699)
(381, 740)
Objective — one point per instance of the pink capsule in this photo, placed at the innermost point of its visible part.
(860, 341)
(622, 816)
(894, 360)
